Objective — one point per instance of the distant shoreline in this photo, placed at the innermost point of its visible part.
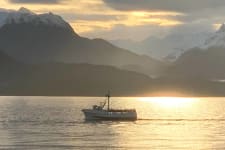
(125, 96)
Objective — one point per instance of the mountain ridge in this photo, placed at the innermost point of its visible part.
(24, 15)
(204, 61)
(34, 42)
(63, 79)
(67, 79)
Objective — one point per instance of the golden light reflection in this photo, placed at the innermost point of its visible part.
(169, 101)
(216, 26)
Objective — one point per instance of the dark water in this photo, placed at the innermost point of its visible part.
(164, 123)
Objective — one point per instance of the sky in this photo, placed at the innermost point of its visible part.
(130, 19)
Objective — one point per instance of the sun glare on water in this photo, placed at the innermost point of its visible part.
(169, 101)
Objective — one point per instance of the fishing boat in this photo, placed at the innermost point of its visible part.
(99, 112)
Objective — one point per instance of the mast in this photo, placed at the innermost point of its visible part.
(108, 95)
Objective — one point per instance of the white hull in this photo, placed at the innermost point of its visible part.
(91, 114)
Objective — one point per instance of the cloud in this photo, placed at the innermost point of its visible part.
(36, 1)
(165, 5)
(121, 31)
(133, 19)
(88, 17)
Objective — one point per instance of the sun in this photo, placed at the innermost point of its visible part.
(169, 101)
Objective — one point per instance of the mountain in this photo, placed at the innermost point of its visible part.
(166, 48)
(129, 44)
(60, 79)
(3, 15)
(67, 79)
(42, 38)
(205, 61)
(9, 68)
(6, 60)
(215, 40)
(24, 15)
(79, 79)
(200, 63)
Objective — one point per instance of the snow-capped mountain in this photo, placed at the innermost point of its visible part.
(211, 41)
(3, 15)
(216, 40)
(204, 61)
(39, 38)
(24, 15)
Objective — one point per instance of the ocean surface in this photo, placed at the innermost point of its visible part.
(57, 123)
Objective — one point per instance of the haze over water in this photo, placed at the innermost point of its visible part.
(164, 123)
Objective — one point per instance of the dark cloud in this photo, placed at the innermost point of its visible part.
(204, 17)
(165, 5)
(36, 1)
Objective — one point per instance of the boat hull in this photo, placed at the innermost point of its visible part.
(108, 115)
